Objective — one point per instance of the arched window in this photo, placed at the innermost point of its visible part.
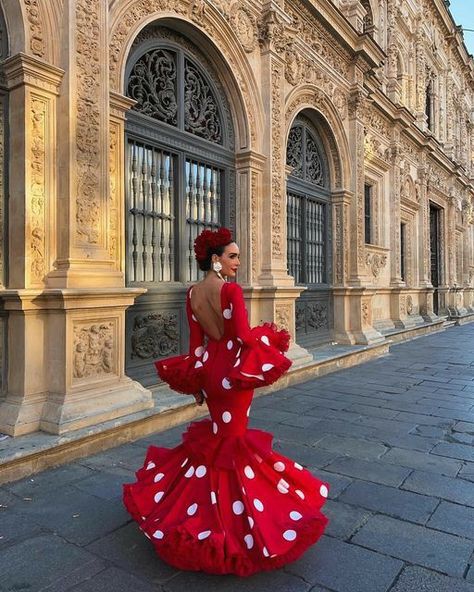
(180, 179)
(308, 229)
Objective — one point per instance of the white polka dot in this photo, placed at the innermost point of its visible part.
(282, 486)
(323, 490)
(199, 351)
(226, 383)
(299, 493)
(237, 507)
(294, 515)
(158, 496)
(214, 427)
(279, 466)
(267, 367)
(248, 411)
(189, 472)
(213, 497)
(201, 471)
(158, 477)
(194, 318)
(265, 552)
(239, 340)
(298, 466)
(226, 416)
(238, 353)
(248, 538)
(192, 509)
(237, 362)
(158, 534)
(264, 339)
(289, 535)
(251, 521)
(205, 356)
(204, 534)
(150, 465)
(184, 462)
(198, 364)
(249, 472)
(230, 344)
(227, 313)
(258, 505)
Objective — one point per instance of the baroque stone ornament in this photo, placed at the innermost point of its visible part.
(376, 262)
(114, 219)
(37, 42)
(37, 184)
(94, 353)
(2, 191)
(277, 160)
(88, 128)
(154, 335)
(283, 316)
(245, 26)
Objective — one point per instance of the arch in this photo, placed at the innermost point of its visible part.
(15, 25)
(210, 31)
(328, 121)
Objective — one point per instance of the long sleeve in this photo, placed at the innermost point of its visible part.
(239, 314)
(196, 334)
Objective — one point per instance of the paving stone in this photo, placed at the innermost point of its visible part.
(337, 482)
(301, 421)
(376, 471)
(389, 500)
(263, 582)
(77, 516)
(459, 438)
(7, 499)
(352, 447)
(416, 544)
(419, 579)
(464, 426)
(126, 457)
(115, 580)
(407, 441)
(49, 480)
(41, 561)
(14, 527)
(129, 549)
(105, 485)
(450, 403)
(454, 490)
(470, 574)
(454, 519)
(423, 461)
(373, 411)
(305, 455)
(428, 431)
(467, 472)
(341, 428)
(425, 419)
(343, 519)
(344, 567)
(454, 451)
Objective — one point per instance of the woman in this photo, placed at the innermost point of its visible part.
(223, 501)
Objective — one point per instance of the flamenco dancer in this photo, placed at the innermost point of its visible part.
(223, 501)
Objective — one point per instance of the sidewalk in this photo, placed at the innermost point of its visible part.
(394, 437)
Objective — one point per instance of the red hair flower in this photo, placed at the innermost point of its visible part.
(209, 239)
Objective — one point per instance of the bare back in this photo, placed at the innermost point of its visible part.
(206, 306)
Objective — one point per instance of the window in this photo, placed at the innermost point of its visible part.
(429, 105)
(368, 190)
(403, 262)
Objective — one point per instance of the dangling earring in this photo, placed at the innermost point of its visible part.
(217, 267)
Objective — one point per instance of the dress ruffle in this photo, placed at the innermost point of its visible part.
(226, 504)
(262, 361)
(183, 373)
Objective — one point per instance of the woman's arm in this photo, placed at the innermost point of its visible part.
(239, 314)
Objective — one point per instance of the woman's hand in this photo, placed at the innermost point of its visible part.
(199, 398)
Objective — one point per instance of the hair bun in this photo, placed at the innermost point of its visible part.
(209, 239)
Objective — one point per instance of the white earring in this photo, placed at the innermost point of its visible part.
(217, 266)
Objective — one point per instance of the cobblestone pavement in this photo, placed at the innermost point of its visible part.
(394, 437)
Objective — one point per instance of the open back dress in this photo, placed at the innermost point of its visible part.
(223, 501)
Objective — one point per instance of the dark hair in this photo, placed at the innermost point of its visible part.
(205, 264)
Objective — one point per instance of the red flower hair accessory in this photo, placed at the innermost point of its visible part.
(209, 239)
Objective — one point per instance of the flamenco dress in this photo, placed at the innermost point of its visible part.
(223, 501)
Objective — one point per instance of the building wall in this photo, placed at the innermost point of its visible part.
(365, 73)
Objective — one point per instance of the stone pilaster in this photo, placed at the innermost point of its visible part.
(395, 184)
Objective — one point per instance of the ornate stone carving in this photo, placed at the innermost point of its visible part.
(94, 353)
(37, 43)
(375, 262)
(88, 126)
(245, 25)
(277, 160)
(409, 305)
(310, 316)
(155, 335)
(254, 222)
(2, 190)
(283, 316)
(113, 194)
(365, 313)
(38, 116)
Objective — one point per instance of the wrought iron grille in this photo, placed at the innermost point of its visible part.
(151, 217)
(304, 156)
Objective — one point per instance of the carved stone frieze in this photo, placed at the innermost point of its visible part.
(94, 349)
(2, 190)
(245, 26)
(38, 115)
(283, 315)
(114, 170)
(154, 335)
(366, 312)
(311, 316)
(36, 27)
(277, 160)
(254, 229)
(88, 127)
(375, 262)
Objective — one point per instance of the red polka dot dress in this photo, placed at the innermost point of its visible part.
(223, 501)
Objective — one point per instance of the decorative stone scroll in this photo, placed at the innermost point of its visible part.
(375, 262)
(38, 114)
(277, 160)
(283, 314)
(94, 349)
(154, 335)
(36, 26)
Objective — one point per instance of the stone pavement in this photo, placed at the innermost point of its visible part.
(394, 438)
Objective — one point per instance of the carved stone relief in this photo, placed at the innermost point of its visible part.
(114, 170)
(277, 160)
(2, 190)
(375, 262)
(36, 208)
(255, 228)
(154, 335)
(283, 315)
(94, 349)
(37, 42)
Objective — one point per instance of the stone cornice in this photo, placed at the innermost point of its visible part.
(120, 104)
(23, 69)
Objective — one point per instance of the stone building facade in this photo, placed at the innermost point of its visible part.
(335, 136)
